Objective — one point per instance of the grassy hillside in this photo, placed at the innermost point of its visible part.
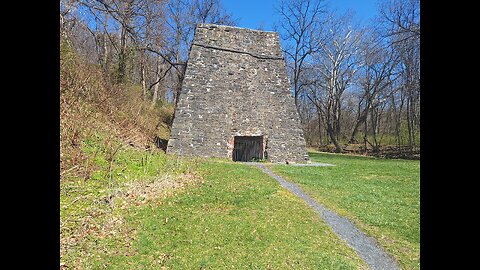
(108, 153)
(91, 108)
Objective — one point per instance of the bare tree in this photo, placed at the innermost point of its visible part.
(150, 29)
(66, 8)
(337, 63)
(401, 19)
(401, 24)
(210, 11)
(300, 21)
(375, 78)
(345, 82)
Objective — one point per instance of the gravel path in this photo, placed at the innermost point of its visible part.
(365, 246)
(313, 164)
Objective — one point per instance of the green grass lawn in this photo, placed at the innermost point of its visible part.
(94, 208)
(237, 217)
(381, 196)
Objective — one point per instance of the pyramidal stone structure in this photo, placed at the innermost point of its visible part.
(236, 99)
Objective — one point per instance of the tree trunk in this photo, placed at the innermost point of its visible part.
(337, 120)
(332, 135)
(178, 85)
(142, 75)
(373, 120)
(398, 128)
(361, 118)
(180, 74)
(295, 93)
(105, 47)
(358, 121)
(409, 122)
(319, 128)
(365, 134)
(122, 56)
(157, 78)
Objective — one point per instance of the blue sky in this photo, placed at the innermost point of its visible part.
(256, 13)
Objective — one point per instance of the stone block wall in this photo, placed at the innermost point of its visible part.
(236, 84)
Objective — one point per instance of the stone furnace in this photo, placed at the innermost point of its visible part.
(236, 99)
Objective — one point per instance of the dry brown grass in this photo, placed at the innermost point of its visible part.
(90, 104)
(140, 192)
(110, 223)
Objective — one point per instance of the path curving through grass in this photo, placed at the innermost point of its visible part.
(238, 218)
(365, 246)
(380, 196)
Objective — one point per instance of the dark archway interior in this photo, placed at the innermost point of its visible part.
(247, 148)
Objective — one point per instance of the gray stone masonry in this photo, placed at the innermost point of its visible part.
(236, 84)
